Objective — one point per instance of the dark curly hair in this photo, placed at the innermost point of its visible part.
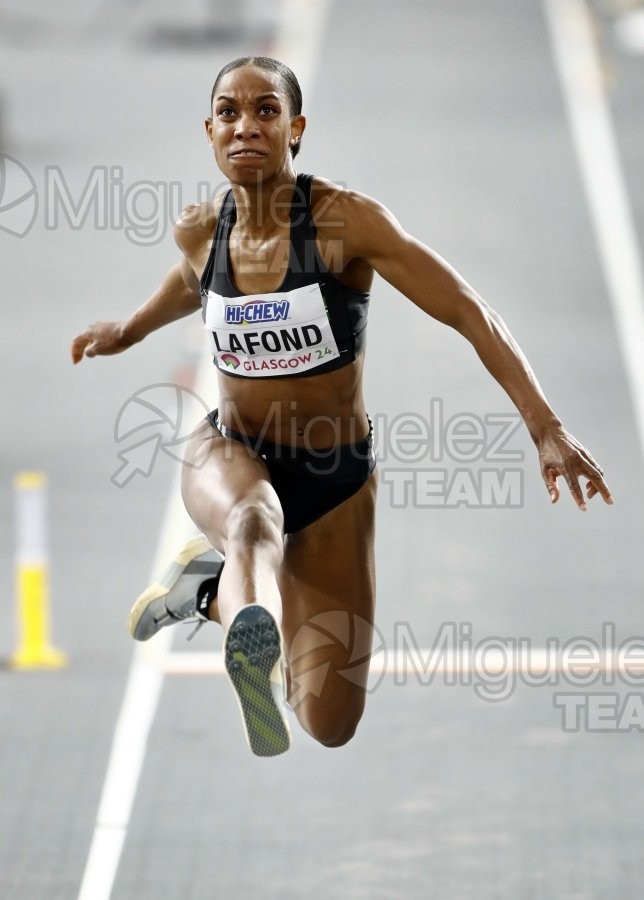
(289, 82)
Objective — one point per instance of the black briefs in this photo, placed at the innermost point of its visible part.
(308, 482)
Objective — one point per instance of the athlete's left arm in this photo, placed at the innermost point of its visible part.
(374, 235)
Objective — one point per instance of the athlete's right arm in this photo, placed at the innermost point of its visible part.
(178, 296)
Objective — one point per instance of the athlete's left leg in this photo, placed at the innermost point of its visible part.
(327, 583)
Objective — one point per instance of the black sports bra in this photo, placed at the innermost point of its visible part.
(312, 324)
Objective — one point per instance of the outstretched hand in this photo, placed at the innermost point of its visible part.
(560, 454)
(99, 339)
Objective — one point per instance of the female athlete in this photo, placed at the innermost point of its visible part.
(281, 479)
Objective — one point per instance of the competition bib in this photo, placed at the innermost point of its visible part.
(270, 334)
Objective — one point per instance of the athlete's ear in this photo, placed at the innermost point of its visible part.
(208, 124)
(298, 124)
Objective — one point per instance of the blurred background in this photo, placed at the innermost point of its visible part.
(453, 114)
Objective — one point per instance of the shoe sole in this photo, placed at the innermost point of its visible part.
(253, 654)
(137, 626)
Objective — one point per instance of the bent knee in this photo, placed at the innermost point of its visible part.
(337, 737)
(331, 730)
(255, 520)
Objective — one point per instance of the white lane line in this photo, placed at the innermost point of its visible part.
(580, 74)
(138, 708)
(422, 661)
(299, 41)
(124, 768)
(302, 29)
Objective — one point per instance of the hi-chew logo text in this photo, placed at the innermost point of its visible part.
(255, 311)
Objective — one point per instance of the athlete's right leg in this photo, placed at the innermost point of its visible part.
(228, 494)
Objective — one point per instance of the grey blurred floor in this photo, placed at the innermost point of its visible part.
(450, 114)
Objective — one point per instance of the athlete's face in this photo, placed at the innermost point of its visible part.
(251, 128)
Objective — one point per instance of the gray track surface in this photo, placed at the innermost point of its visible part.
(450, 114)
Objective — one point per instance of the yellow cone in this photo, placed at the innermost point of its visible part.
(32, 578)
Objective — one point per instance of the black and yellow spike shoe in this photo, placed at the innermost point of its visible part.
(253, 659)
